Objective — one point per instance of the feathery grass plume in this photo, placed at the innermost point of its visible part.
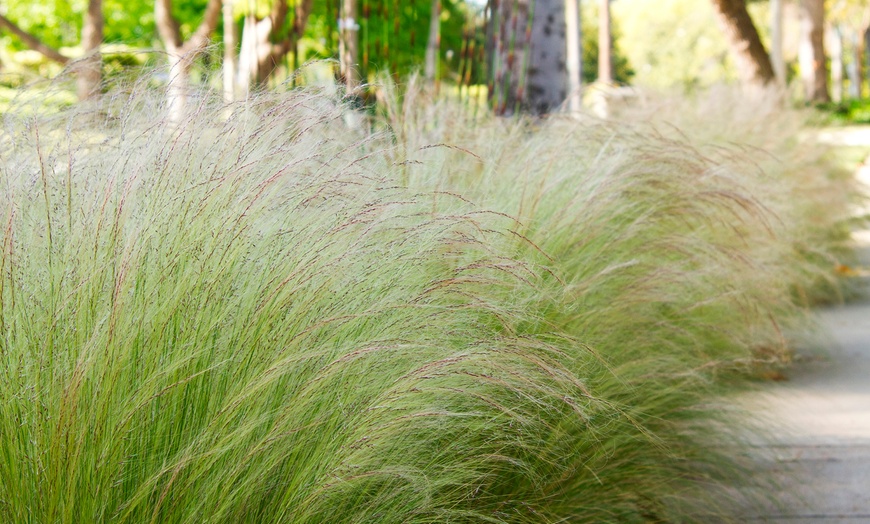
(676, 260)
(813, 196)
(248, 320)
(272, 318)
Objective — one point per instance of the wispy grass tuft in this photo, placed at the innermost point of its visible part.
(685, 244)
(259, 314)
(247, 320)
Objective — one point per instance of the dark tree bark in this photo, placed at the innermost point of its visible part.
(813, 62)
(753, 62)
(528, 58)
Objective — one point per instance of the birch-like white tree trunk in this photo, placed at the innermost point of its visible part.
(811, 55)
(259, 54)
(180, 53)
(777, 58)
(254, 52)
(836, 44)
(574, 54)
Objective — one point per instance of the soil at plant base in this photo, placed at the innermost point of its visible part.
(816, 443)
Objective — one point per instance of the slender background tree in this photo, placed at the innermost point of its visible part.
(753, 62)
(813, 61)
(88, 69)
(574, 54)
(605, 43)
(180, 52)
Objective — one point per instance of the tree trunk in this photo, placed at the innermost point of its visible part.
(178, 85)
(812, 51)
(181, 54)
(89, 68)
(529, 56)
(259, 56)
(348, 50)
(433, 44)
(230, 41)
(574, 54)
(865, 36)
(777, 58)
(255, 51)
(753, 63)
(303, 10)
(490, 41)
(836, 40)
(862, 56)
(605, 44)
(854, 69)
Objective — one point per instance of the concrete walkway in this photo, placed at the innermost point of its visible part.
(818, 455)
(817, 451)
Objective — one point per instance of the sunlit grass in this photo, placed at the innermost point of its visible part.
(261, 315)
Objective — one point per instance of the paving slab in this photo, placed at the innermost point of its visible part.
(855, 135)
(816, 448)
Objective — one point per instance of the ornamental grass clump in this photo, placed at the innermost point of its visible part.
(248, 321)
(258, 313)
(684, 264)
(631, 222)
(802, 183)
